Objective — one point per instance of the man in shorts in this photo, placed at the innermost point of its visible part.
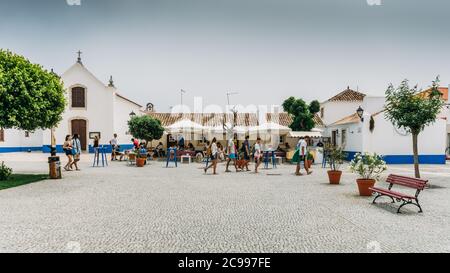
(302, 148)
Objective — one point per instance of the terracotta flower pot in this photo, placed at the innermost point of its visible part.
(364, 185)
(140, 162)
(335, 177)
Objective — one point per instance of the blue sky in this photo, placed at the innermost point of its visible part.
(265, 50)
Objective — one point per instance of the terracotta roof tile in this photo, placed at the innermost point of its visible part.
(354, 118)
(348, 95)
(217, 119)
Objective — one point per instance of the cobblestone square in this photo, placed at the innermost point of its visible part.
(153, 209)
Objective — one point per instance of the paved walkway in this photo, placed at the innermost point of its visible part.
(127, 209)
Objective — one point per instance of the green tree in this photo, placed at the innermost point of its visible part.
(410, 109)
(314, 107)
(30, 97)
(303, 118)
(145, 128)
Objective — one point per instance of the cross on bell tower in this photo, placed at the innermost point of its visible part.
(79, 57)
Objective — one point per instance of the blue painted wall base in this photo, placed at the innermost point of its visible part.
(59, 149)
(407, 159)
(19, 149)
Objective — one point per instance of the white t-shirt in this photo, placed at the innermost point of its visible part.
(258, 150)
(214, 149)
(302, 146)
(231, 147)
(114, 142)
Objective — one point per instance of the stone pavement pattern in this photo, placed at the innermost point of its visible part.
(127, 209)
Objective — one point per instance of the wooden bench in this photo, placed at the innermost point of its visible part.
(407, 182)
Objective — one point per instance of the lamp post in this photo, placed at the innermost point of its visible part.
(132, 114)
(229, 94)
(182, 92)
(360, 113)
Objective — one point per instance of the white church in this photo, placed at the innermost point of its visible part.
(93, 108)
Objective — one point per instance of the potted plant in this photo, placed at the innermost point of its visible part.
(368, 167)
(141, 159)
(145, 128)
(336, 158)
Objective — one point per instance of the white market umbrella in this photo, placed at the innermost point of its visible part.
(185, 126)
(270, 128)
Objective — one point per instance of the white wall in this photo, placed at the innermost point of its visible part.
(122, 110)
(16, 138)
(336, 110)
(354, 138)
(387, 140)
(98, 111)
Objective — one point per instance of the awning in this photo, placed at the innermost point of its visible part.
(185, 126)
(305, 134)
(270, 127)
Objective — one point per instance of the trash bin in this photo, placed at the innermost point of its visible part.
(54, 164)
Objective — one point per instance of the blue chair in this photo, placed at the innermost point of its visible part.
(100, 151)
(172, 157)
(271, 154)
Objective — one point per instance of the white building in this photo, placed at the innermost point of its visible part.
(93, 108)
(375, 134)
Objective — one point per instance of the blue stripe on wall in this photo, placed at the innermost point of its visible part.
(19, 149)
(59, 148)
(407, 159)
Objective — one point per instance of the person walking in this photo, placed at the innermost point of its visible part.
(67, 147)
(258, 154)
(114, 145)
(246, 151)
(214, 155)
(76, 146)
(300, 156)
(232, 155)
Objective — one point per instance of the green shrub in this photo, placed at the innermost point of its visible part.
(5, 172)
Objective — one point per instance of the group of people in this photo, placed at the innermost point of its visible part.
(241, 158)
(214, 151)
(140, 147)
(72, 149)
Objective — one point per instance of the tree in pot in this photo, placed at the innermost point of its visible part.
(336, 157)
(145, 128)
(369, 168)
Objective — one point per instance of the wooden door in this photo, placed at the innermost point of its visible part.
(79, 126)
(334, 138)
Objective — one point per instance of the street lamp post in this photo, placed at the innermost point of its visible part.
(229, 94)
(182, 92)
(360, 113)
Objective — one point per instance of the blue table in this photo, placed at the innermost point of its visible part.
(100, 151)
(267, 155)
